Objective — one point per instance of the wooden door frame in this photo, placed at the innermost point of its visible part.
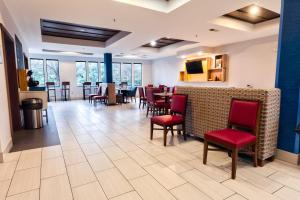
(4, 33)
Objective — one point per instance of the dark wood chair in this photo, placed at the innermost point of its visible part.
(98, 93)
(176, 117)
(65, 90)
(154, 104)
(132, 94)
(143, 99)
(86, 89)
(242, 131)
(51, 87)
(101, 98)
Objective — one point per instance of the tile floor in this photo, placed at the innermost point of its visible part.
(105, 153)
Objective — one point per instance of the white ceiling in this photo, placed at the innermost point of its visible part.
(190, 22)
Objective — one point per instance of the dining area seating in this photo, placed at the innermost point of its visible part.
(175, 118)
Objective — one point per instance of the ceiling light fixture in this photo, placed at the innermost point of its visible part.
(183, 56)
(200, 53)
(153, 43)
(254, 10)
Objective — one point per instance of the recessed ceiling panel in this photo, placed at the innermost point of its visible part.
(253, 14)
(165, 6)
(162, 42)
(76, 31)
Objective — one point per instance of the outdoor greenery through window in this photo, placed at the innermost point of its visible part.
(126, 73)
(102, 72)
(38, 74)
(93, 72)
(80, 73)
(137, 74)
(116, 68)
(52, 68)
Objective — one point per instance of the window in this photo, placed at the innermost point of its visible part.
(80, 73)
(93, 72)
(102, 72)
(37, 67)
(52, 68)
(116, 73)
(137, 74)
(126, 73)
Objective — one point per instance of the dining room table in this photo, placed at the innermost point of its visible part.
(165, 95)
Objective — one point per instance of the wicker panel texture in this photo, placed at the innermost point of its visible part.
(208, 109)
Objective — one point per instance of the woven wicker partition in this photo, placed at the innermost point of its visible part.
(208, 109)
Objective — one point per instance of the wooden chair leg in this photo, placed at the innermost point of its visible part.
(254, 149)
(147, 111)
(151, 131)
(205, 150)
(234, 163)
(172, 130)
(183, 131)
(165, 135)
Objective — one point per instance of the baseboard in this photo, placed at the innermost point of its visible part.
(287, 156)
(8, 147)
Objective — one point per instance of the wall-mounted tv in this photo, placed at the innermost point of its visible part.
(194, 67)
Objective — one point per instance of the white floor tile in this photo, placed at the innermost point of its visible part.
(149, 189)
(91, 191)
(99, 162)
(56, 188)
(53, 167)
(129, 168)
(113, 182)
(165, 176)
(188, 192)
(80, 174)
(25, 180)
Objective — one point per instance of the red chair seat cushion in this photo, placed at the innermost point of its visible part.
(230, 137)
(100, 97)
(167, 120)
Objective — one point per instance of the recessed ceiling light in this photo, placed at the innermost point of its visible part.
(153, 43)
(183, 56)
(200, 53)
(254, 10)
(213, 30)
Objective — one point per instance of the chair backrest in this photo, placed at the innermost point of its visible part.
(150, 94)
(50, 85)
(65, 85)
(98, 83)
(179, 104)
(141, 92)
(150, 85)
(99, 90)
(174, 90)
(133, 91)
(161, 87)
(244, 114)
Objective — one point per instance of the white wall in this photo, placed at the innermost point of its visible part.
(250, 63)
(5, 127)
(67, 70)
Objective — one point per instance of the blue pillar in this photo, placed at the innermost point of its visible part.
(108, 67)
(288, 75)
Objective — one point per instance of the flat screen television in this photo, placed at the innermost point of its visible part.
(194, 67)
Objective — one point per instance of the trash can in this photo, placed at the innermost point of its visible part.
(33, 113)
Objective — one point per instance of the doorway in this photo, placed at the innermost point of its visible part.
(9, 59)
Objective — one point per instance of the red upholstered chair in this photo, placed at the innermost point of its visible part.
(143, 99)
(161, 87)
(154, 104)
(101, 98)
(98, 93)
(176, 117)
(242, 131)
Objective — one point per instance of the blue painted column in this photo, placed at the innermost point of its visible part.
(288, 75)
(108, 67)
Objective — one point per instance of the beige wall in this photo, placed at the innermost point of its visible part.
(250, 63)
(5, 129)
(67, 70)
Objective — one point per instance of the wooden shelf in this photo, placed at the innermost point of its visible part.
(218, 73)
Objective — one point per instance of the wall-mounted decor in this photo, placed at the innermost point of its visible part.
(219, 70)
(19, 51)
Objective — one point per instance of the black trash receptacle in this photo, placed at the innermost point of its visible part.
(33, 113)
